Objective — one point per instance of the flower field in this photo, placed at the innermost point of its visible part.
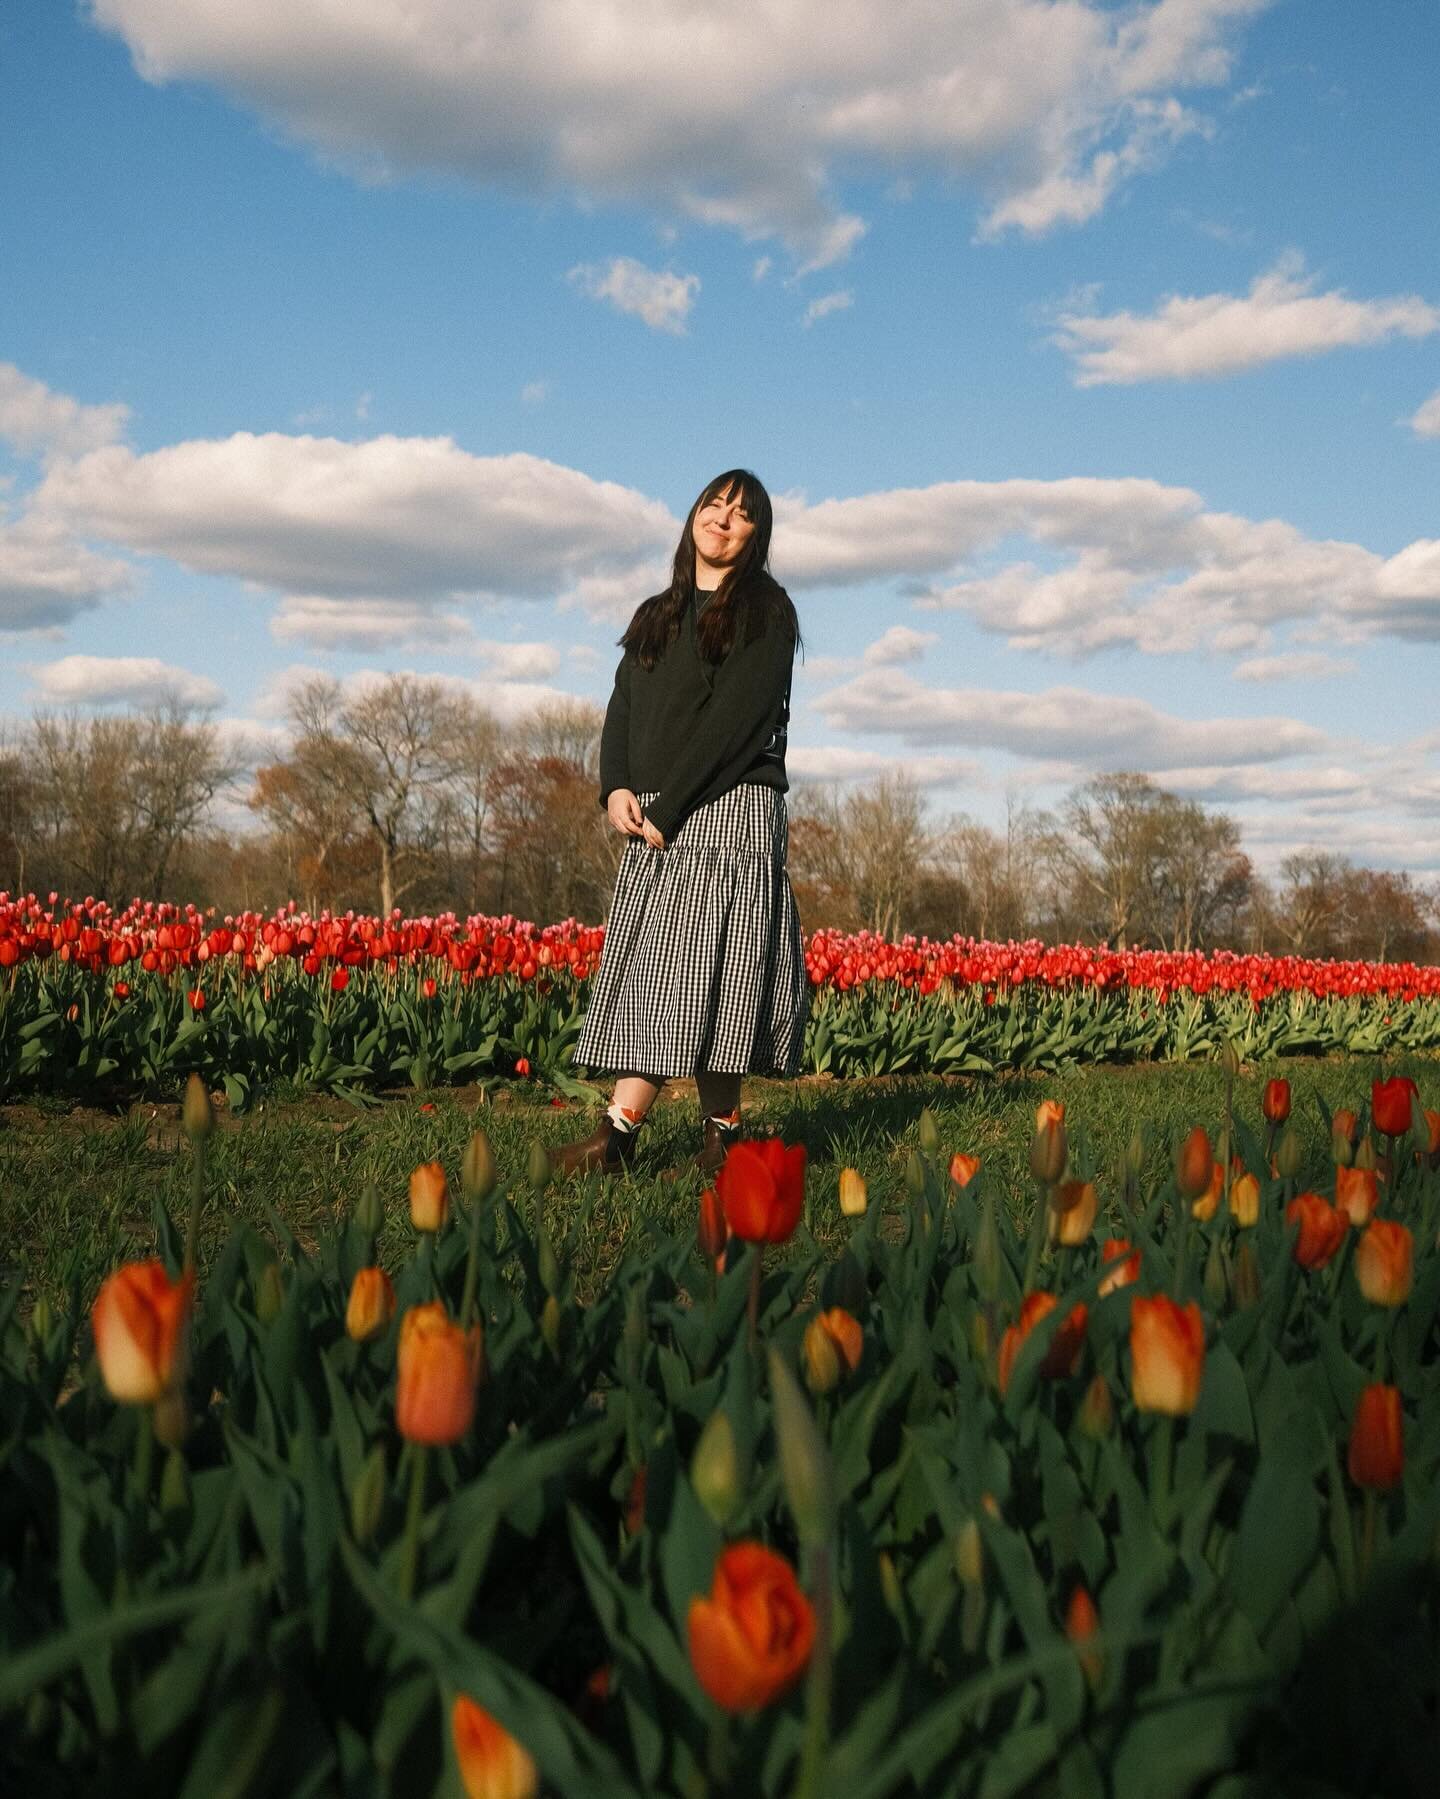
(96, 1002)
(1121, 1477)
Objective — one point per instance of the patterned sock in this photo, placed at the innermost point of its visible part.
(726, 1122)
(624, 1119)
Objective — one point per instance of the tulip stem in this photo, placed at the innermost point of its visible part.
(1034, 1239)
(472, 1269)
(1164, 1453)
(197, 1198)
(144, 1453)
(718, 1756)
(752, 1304)
(1369, 1515)
(819, 1681)
(410, 1549)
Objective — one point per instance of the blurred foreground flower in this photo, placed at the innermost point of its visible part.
(1194, 1165)
(1065, 1346)
(963, 1168)
(1322, 1229)
(371, 1305)
(139, 1319)
(1074, 1205)
(711, 1230)
(832, 1346)
(1357, 1193)
(1245, 1201)
(750, 1640)
(1385, 1262)
(1167, 1354)
(853, 1195)
(429, 1197)
(492, 1764)
(1121, 1252)
(439, 1369)
(1377, 1439)
(762, 1189)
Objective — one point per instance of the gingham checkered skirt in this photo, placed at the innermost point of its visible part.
(703, 964)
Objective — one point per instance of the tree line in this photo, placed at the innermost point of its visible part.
(408, 794)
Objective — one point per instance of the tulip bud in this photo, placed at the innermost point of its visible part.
(1081, 1625)
(42, 1321)
(805, 1471)
(537, 1167)
(1344, 1128)
(1365, 1156)
(969, 1552)
(550, 1325)
(175, 1484)
(1275, 1103)
(715, 1468)
(853, 1196)
(1376, 1456)
(1289, 1154)
(1215, 1281)
(1245, 1201)
(370, 1213)
(1097, 1410)
(987, 1252)
(890, 1583)
(915, 1175)
(1134, 1162)
(429, 1197)
(1049, 1152)
(929, 1133)
(547, 1262)
(170, 1419)
(822, 1359)
(1073, 1205)
(1385, 1262)
(963, 1168)
(477, 1169)
(980, 1337)
(1229, 1059)
(269, 1294)
(1194, 1164)
(367, 1497)
(1245, 1277)
(371, 1305)
(711, 1230)
(195, 1114)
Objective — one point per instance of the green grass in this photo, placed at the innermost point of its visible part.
(77, 1186)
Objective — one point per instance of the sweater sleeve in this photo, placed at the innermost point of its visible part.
(745, 699)
(615, 736)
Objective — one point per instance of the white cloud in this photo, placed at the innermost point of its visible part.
(1295, 665)
(326, 623)
(47, 579)
(414, 519)
(1045, 105)
(835, 762)
(824, 304)
(1094, 730)
(1188, 338)
(121, 680)
(36, 420)
(661, 299)
(1426, 421)
(520, 661)
(900, 644)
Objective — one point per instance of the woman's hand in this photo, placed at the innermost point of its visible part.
(624, 812)
(652, 836)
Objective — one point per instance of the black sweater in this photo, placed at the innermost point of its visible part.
(689, 730)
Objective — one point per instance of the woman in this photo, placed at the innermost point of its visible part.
(703, 970)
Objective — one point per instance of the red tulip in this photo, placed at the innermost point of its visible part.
(1322, 1229)
(1377, 1439)
(1276, 1104)
(761, 1185)
(1390, 1104)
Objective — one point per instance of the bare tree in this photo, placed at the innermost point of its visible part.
(1106, 841)
(565, 730)
(476, 749)
(1312, 903)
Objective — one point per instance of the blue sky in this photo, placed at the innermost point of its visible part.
(1091, 352)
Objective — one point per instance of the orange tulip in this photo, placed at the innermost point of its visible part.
(492, 1764)
(1122, 1251)
(762, 1188)
(1344, 1127)
(1322, 1229)
(1075, 1204)
(751, 1639)
(1385, 1262)
(1049, 1112)
(711, 1231)
(1065, 1346)
(1390, 1104)
(1432, 1133)
(963, 1168)
(1193, 1164)
(1276, 1103)
(1207, 1204)
(1377, 1439)
(139, 1320)
(439, 1369)
(371, 1305)
(853, 1195)
(1049, 1148)
(429, 1197)
(833, 1343)
(1245, 1201)
(1357, 1193)
(1167, 1354)
(1082, 1622)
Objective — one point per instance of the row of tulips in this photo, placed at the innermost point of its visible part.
(97, 1003)
(1133, 1489)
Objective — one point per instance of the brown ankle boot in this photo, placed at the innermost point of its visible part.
(720, 1139)
(606, 1148)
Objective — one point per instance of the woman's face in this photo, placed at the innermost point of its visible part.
(721, 530)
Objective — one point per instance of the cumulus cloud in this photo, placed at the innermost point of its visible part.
(900, 644)
(1190, 337)
(121, 680)
(415, 519)
(1092, 730)
(1426, 421)
(36, 420)
(824, 304)
(1295, 665)
(1045, 105)
(661, 299)
(836, 762)
(47, 579)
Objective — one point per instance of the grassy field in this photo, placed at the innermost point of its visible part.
(77, 1185)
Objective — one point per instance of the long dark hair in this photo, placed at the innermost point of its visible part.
(744, 603)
